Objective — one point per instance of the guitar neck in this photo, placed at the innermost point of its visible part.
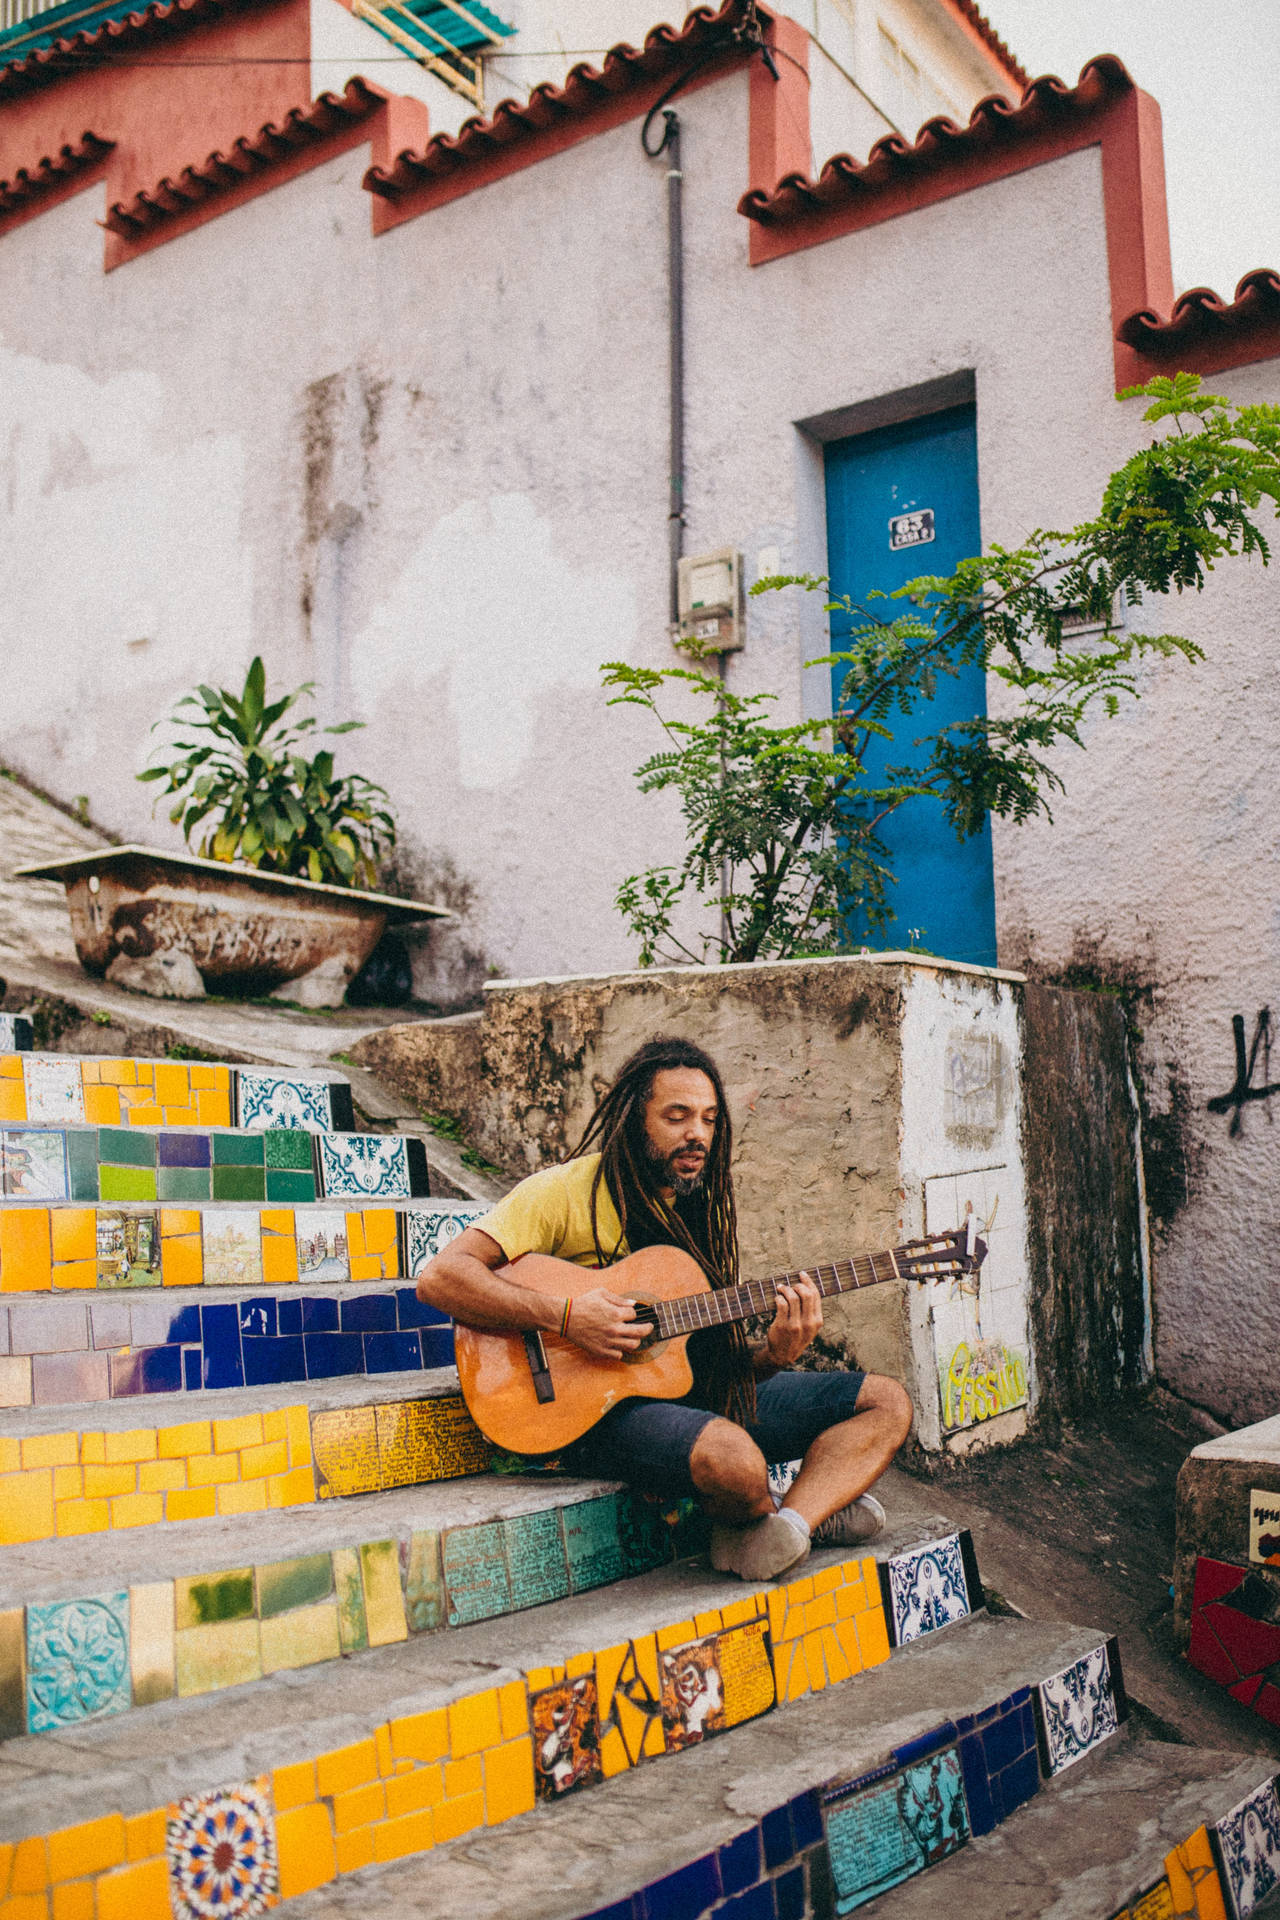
(697, 1310)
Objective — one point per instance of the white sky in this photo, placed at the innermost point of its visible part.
(1214, 66)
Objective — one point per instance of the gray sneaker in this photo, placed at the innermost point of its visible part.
(851, 1526)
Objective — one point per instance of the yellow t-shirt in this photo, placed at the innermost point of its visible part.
(550, 1212)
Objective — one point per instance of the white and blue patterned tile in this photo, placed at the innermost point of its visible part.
(1249, 1845)
(1077, 1710)
(364, 1166)
(267, 1100)
(927, 1588)
(221, 1849)
(15, 1033)
(77, 1661)
(427, 1229)
(53, 1086)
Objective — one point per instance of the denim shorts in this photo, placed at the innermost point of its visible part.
(648, 1442)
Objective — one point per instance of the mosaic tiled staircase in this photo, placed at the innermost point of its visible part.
(270, 1621)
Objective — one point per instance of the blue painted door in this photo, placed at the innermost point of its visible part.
(903, 502)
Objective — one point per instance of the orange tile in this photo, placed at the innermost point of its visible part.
(275, 1425)
(675, 1635)
(203, 1077)
(212, 1469)
(26, 1507)
(173, 1088)
(346, 1767)
(359, 1806)
(50, 1450)
(188, 1116)
(355, 1234)
(279, 1260)
(814, 1661)
(379, 1229)
(146, 1072)
(91, 1847)
(76, 1273)
(846, 1632)
(299, 1420)
(214, 1109)
(453, 1817)
(101, 1106)
(474, 1722)
(82, 1516)
(294, 1489)
(365, 1266)
(142, 1113)
(873, 1636)
(294, 1786)
(827, 1581)
(140, 1892)
(25, 1906)
(386, 1757)
(613, 1760)
(74, 1900)
(412, 1833)
(709, 1622)
(144, 1834)
(508, 1779)
(175, 1220)
(199, 1504)
(798, 1591)
(118, 1073)
(137, 1510)
(75, 1233)
(354, 1850)
(182, 1261)
(11, 1066)
(407, 1792)
(103, 1483)
(513, 1706)
(820, 1611)
(13, 1100)
(305, 1852)
(421, 1736)
(30, 1870)
(463, 1776)
(257, 1462)
(24, 1250)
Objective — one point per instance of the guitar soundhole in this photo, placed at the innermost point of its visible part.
(645, 1312)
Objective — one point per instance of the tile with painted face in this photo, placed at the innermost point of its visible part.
(566, 1737)
(34, 1164)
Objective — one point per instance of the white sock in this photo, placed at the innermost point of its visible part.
(797, 1520)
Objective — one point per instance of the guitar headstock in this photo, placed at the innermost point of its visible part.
(942, 1256)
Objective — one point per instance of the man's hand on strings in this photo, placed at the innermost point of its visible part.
(796, 1323)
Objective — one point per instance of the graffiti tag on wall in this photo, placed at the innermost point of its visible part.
(982, 1381)
(1243, 1089)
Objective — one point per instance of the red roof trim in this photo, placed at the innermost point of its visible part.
(94, 48)
(52, 174)
(981, 28)
(1205, 328)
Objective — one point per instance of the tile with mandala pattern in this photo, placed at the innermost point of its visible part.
(926, 1588)
(77, 1660)
(265, 1100)
(1077, 1710)
(221, 1848)
(54, 1090)
(427, 1229)
(1249, 1847)
(364, 1166)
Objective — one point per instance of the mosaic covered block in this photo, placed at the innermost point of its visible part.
(715, 1682)
(77, 1661)
(930, 1586)
(999, 1758)
(221, 1849)
(1235, 1633)
(1248, 1845)
(892, 1823)
(1079, 1708)
(267, 1100)
(365, 1166)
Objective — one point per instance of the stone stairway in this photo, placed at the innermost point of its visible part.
(275, 1624)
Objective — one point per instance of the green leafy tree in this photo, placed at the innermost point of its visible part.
(261, 799)
(783, 823)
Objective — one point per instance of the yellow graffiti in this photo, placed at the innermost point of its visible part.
(969, 1395)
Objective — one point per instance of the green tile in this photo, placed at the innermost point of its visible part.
(288, 1147)
(126, 1147)
(127, 1183)
(82, 1163)
(239, 1183)
(183, 1183)
(285, 1584)
(237, 1149)
(287, 1189)
(199, 1600)
(423, 1581)
(352, 1627)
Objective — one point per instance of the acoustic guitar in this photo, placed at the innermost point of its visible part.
(536, 1392)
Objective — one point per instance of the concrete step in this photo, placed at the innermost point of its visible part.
(390, 1760)
(55, 1089)
(280, 1165)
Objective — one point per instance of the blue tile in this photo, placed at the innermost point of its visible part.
(684, 1894)
(155, 1323)
(273, 1362)
(258, 1318)
(806, 1821)
(977, 1787)
(1002, 1742)
(221, 1328)
(369, 1313)
(330, 1354)
(192, 1369)
(319, 1314)
(620, 1910)
(965, 1722)
(923, 1745)
(289, 1316)
(182, 1149)
(146, 1370)
(740, 1861)
(788, 1891)
(392, 1353)
(779, 1846)
(757, 1902)
(1027, 1721)
(416, 1313)
(1020, 1781)
(437, 1346)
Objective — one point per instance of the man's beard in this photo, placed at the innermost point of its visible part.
(660, 1168)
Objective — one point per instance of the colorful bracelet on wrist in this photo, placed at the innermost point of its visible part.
(564, 1318)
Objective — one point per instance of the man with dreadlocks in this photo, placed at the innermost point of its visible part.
(653, 1168)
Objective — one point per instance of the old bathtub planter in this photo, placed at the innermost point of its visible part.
(146, 918)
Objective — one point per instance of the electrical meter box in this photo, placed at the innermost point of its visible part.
(709, 598)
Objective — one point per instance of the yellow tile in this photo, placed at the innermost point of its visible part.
(411, 1833)
(846, 1632)
(101, 1483)
(144, 1835)
(178, 1220)
(161, 1476)
(1193, 1878)
(302, 1638)
(118, 1073)
(91, 1847)
(24, 1250)
(379, 1229)
(676, 1635)
(421, 1736)
(463, 1776)
(223, 1653)
(294, 1786)
(354, 1850)
(709, 1622)
(83, 1516)
(136, 1893)
(13, 1100)
(279, 1261)
(777, 1600)
(359, 1806)
(740, 1611)
(68, 1483)
(173, 1088)
(151, 1656)
(200, 1504)
(10, 1455)
(798, 1679)
(474, 1722)
(137, 1510)
(74, 1900)
(211, 1469)
(142, 1113)
(182, 1262)
(655, 1740)
(386, 1757)
(383, 1598)
(873, 1636)
(827, 1581)
(50, 1450)
(305, 1853)
(798, 1591)
(102, 1106)
(292, 1489)
(25, 1906)
(146, 1072)
(453, 1817)
(202, 1076)
(613, 1760)
(814, 1661)
(365, 1266)
(192, 1437)
(30, 1870)
(188, 1116)
(346, 1767)
(408, 1792)
(299, 1435)
(646, 1652)
(850, 1600)
(214, 1109)
(139, 1443)
(833, 1655)
(75, 1233)
(230, 1435)
(26, 1507)
(275, 1426)
(11, 1066)
(257, 1462)
(513, 1705)
(243, 1496)
(277, 1220)
(75, 1274)
(93, 1449)
(820, 1611)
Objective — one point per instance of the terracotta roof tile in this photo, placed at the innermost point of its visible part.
(52, 172)
(250, 155)
(985, 31)
(1202, 315)
(548, 107)
(95, 46)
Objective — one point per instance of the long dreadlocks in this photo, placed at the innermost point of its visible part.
(705, 1227)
